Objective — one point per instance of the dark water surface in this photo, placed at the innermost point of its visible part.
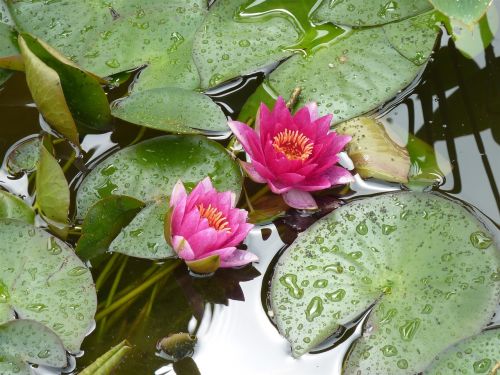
(455, 107)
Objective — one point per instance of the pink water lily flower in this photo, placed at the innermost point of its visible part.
(204, 228)
(293, 154)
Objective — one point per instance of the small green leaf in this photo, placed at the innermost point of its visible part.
(104, 222)
(373, 152)
(27, 341)
(204, 266)
(369, 13)
(466, 11)
(12, 207)
(173, 110)
(106, 363)
(24, 156)
(42, 279)
(427, 265)
(45, 87)
(150, 169)
(52, 190)
(478, 354)
(143, 237)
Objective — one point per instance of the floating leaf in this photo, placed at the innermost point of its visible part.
(478, 354)
(373, 152)
(9, 53)
(23, 341)
(83, 93)
(42, 279)
(466, 11)
(355, 73)
(106, 363)
(150, 169)
(103, 223)
(46, 90)
(24, 156)
(427, 265)
(143, 237)
(52, 190)
(227, 45)
(171, 109)
(369, 13)
(12, 207)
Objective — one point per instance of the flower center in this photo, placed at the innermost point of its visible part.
(216, 219)
(293, 144)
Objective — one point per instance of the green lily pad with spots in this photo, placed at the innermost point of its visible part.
(369, 13)
(143, 237)
(150, 169)
(42, 279)
(427, 265)
(171, 109)
(478, 354)
(12, 207)
(27, 341)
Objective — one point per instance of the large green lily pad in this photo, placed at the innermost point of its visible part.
(42, 279)
(7, 48)
(369, 13)
(475, 355)
(143, 237)
(228, 45)
(150, 169)
(12, 207)
(27, 341)
(172, 109)
(427, 264)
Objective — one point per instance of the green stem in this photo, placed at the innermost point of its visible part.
(248, 203)
(106, 272)
(138, 136)
(117, 304)
(70, 161)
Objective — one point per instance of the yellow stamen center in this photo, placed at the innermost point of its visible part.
(216, 218)
(293, 144)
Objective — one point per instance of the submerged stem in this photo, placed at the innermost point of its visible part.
(139, 136)
(106, 272)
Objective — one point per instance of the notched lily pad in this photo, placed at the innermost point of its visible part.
(143, 237)
(478, 354)
(151, 168)
(42, 279)
(429, 266)
(27, 341)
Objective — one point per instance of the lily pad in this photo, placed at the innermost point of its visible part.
(12, 207)
(150, 169)
(143, 237)
(171, 109)
(466, 11)
(42, 279)
(355, 73)
(7, 49)
(104, 222)
(27, 341)
(52, 190)
(373, 152)
(228, 45)
(24, 156)
(369, 13)
(428, 266)
(475, 355)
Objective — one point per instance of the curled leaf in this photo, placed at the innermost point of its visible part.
(106, 363)
(373, 152)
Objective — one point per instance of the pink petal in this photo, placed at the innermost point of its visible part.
(238, 258)
(300, 199)
(315, 184)
(178, 193)
(339, 176)
(313, 110)
(252, 173)
(248, 139)
(203, 241)
(182, 248)
(225, 252)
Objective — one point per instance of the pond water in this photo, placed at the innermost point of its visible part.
(454, 106)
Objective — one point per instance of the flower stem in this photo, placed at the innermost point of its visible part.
(106, 272)
(248, 203)
(141, 288)
(70, 161)
(294, 98)
(138, 136)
